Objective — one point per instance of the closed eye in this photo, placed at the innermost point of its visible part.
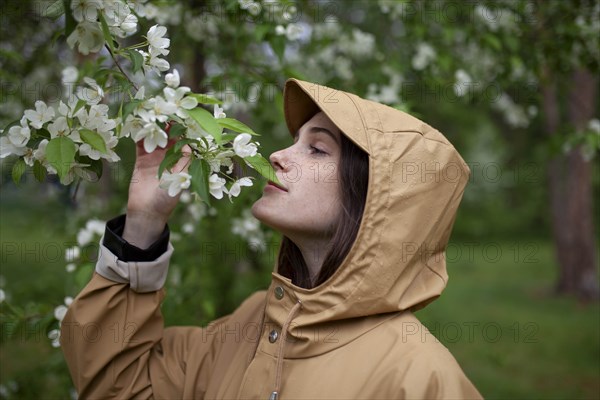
(315, 150)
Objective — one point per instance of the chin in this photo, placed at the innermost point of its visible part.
(267, 216)
(261, 213)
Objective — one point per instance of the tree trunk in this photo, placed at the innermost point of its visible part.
(570, 184)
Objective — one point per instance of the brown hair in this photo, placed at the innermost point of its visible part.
(353, 175)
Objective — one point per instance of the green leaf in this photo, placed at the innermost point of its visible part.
(228, 137)
(78, 106)
(137, 60)
(54, 11)
(18, 169)
(493, 41)
(60, 153)
(39, 171)
(94, 139)
(171, 158)
(204, 98)
(70, 22)
(207, 121)
(176, 130)
(263, 167)
(260, 31)
(200, 171)
(42, 133)
(278, 46)
(180, 143)
(235, 125)
(129, 107)
(107, 36)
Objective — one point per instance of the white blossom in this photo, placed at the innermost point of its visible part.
(67, 110)
(2, 296)
(157, 42)
(222, 158)
(236, 187)
(425, 55)
(16, 140)
(188, 227)
(248, 228)
(594, 125)
(359, 45)
(70, 267)
(218, 112)
(19, 135)
(60, 311)
(85, 10)
(129, 24)
(91, 95)
(242, 147)
(294, 31)
(40, 115)
(54, 336)
(84, 237)
(119, 18)
(462, 83)
(69, 79)
(253, 7)
(176, 97)
(159, 109)
(280, 30)
(175, 183)
(153, 63)
(59, 127)
(69, 75)
(514, 114)
(185, 197)
(172, 79)
(152, 135)
(131, 126)
(72, 253)
(157, 64)
(7, 148)
(216, 186)
(88, 35)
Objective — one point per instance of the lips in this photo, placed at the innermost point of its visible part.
(271, 183)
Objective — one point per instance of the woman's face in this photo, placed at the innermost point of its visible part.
(308, 170)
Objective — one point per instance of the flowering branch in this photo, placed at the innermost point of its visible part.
(119, 66)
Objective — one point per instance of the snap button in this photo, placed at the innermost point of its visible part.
(279, 292)
(273, 336)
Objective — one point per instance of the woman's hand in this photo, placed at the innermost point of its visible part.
(148, 205)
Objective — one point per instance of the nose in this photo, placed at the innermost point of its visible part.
(277, 159)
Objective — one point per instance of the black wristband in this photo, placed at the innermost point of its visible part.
(124, 250)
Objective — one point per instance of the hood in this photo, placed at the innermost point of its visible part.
(416, 182)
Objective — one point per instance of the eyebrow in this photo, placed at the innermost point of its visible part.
(320, 129)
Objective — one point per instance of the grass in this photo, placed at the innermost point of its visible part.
(511, 335)
(497, 316)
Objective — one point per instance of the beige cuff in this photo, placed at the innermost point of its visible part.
(142, 276)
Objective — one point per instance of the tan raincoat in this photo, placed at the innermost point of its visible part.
(353, 337)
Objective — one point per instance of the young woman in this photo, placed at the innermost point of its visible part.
(368, 201)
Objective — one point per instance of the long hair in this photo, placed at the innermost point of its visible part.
(353, 178)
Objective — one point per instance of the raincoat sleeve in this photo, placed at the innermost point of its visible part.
(437, 375)
(114, 340)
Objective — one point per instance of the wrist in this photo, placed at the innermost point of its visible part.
(142, 228)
